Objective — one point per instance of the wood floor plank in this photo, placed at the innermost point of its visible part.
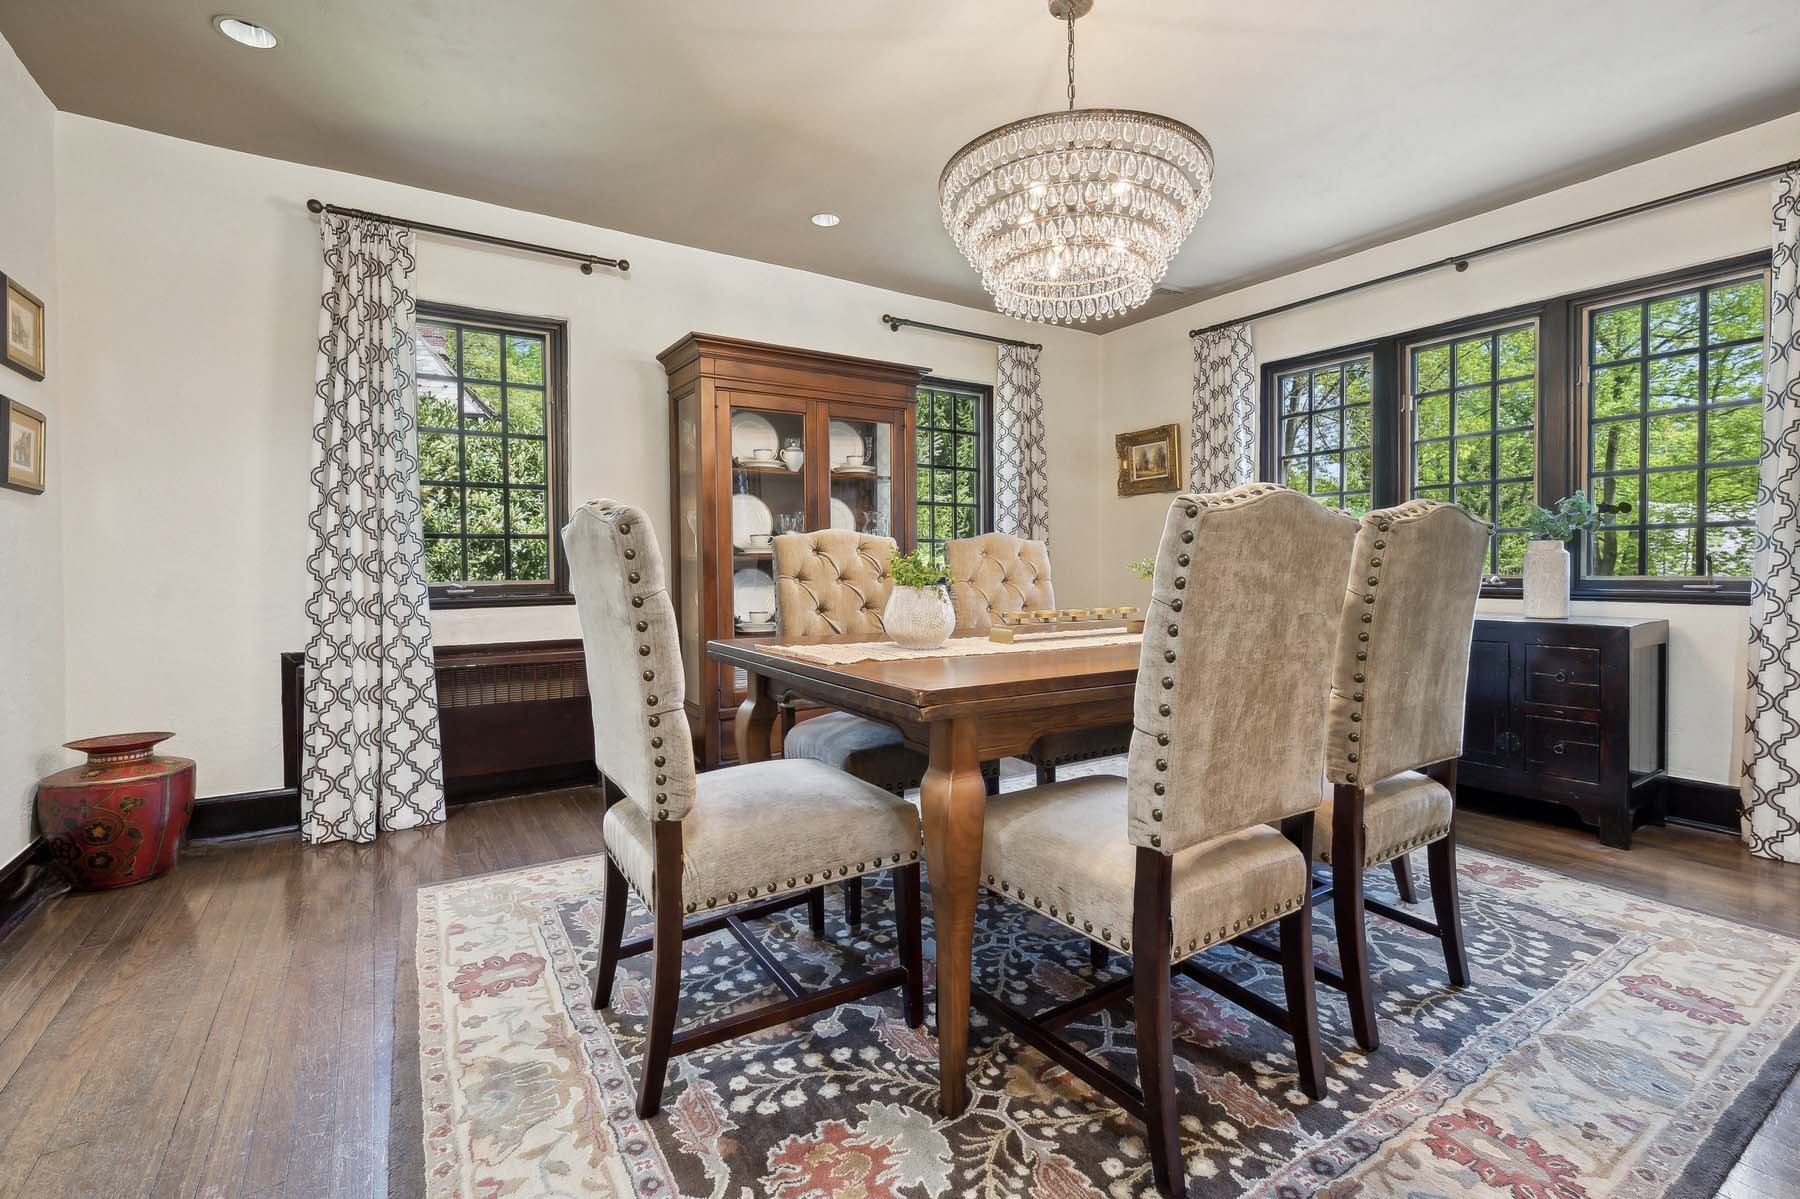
(136, 1112)
(258, 910)
(54, 1099)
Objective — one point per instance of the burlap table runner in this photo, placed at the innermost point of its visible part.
(956, 647)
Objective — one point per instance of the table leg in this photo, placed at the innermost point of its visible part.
(953, 799)
(755, 720)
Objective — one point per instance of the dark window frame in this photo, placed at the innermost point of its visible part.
(1273, 449)
(1449, 338)
(1561, 456)
(1670, 588)
(984, 432)
(555, 590)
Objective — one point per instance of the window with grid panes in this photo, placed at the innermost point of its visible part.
(1674, 385)
(954, 492)
(488, 397)
(1474, 431)
(1326, 432)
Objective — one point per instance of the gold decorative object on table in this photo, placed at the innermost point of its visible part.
(1066, 620)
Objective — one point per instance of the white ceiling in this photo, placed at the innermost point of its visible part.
(725, 124)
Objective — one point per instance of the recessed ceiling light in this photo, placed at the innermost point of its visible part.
(245, 33)
(825, 220)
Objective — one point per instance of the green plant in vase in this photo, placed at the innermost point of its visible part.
(918, 613)
(1144, 568)
(918, 569)
(1546, 571)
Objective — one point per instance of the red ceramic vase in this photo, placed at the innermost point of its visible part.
(120, 818)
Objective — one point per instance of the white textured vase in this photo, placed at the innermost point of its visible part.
(919, 617)
(1547, 580)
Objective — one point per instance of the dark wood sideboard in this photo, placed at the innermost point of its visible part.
(1570, 711)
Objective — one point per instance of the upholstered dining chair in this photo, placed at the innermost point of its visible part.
(1209, 836)
(1396, 729)
(996, 574)
(835, 582)
(765, 834)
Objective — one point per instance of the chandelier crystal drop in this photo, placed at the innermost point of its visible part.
(1074, 216)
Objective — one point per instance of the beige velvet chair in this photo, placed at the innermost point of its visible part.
(1396, 727)
(996, 574)
(835, 582)
(764, 834)
(1184, 854)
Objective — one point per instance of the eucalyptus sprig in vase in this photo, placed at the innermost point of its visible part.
(1546, 581)
(919, 614)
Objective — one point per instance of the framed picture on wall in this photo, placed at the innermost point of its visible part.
(24, 447)
(1149, 460)
(22, 323)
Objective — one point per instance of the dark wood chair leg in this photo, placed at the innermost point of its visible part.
(853, 904)
(1440, 857)
(1440, 860)
(665, 970)
(1347, 908)
(1403, 879)
(1098, 955)
(815, 911)
(1155, 1023)
(1302, 999)
(1046, 774)
(1296, 930)
(912, 955)
(613, 902)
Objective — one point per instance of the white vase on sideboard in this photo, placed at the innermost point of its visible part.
(919, 617)
(1547, 580)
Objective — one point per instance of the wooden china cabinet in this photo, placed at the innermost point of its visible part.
(765, 440)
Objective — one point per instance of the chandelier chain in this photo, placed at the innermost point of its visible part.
(1069, 15)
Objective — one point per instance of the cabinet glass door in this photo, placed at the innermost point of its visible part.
(768, 498)
(866, 463)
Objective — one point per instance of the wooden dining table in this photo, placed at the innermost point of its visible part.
(960, 711)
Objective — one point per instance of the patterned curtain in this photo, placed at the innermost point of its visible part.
(370, 758)
(1771, 772)
(1021, 465)
(1223, 440)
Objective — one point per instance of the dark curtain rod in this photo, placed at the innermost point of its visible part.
(588, 261)
(1461, 261)
(896, 323)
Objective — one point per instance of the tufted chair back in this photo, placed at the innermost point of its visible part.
(1403, 647)
(832, 582)
(997, 573)
(1229, 721)
(635, 687)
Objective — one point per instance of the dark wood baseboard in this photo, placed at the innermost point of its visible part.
(26, 883)
(1711, 806)
(248, 814)
(263, 813)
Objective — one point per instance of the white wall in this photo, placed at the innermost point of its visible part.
(1147, 368)
(31, 581)
(194, 273)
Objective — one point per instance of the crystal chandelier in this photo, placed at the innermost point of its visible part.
(1074, 216)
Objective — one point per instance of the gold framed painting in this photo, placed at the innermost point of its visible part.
(24, 447)
(22, 324)
(1149, 460)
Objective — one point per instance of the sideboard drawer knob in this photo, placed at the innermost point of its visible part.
(1557, 748)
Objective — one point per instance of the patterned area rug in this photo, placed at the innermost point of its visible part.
(1609, 1046)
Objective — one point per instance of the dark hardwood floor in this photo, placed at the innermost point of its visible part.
(243, 1026)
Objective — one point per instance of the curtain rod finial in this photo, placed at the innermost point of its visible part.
(314, 206)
